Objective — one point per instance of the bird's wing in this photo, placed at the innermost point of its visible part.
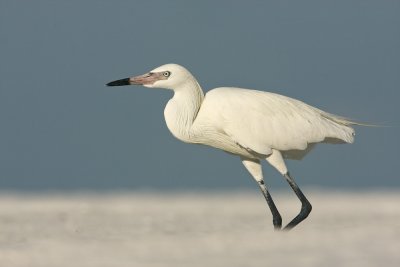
(261, 121)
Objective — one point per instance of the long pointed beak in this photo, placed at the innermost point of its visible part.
(148, 78)
(120, 82)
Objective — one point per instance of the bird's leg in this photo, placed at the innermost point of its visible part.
(254, 168)
(276, 217)
(305, 204)
(276, 160)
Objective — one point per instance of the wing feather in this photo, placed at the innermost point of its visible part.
(261, 121)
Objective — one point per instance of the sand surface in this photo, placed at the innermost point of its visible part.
(197, 229)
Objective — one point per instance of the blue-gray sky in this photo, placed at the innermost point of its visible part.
(61, 128)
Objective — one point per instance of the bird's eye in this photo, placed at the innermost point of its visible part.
(166, 73)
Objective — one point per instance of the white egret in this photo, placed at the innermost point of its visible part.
(254, 125)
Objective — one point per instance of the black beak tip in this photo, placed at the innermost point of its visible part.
(120, 82)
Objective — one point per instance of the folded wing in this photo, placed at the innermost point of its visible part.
(261, 121)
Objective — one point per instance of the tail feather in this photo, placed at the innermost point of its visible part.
(346, 121)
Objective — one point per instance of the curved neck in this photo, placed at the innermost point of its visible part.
(182, 109)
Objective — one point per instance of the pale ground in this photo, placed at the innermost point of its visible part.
(200, 229)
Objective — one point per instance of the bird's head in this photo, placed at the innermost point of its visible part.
(169, 76)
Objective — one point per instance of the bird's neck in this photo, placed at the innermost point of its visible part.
(182, 109)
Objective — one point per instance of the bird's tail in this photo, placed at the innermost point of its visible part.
(346, 121)
(343, 130)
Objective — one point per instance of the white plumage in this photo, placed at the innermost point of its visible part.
(252, 124)
(262, 121)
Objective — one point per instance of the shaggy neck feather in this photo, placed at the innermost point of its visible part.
(182, 109)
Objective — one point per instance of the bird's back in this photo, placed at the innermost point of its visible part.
(261, 121)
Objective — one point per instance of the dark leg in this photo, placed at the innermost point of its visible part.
(305, 204)
(276, 217)
(254, 167)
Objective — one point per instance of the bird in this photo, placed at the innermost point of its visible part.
(253, 125)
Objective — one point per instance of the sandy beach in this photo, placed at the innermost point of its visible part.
(197, 229)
